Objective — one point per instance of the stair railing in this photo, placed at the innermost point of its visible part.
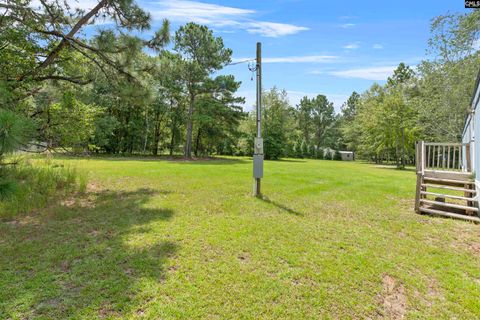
(443, 156)
(454, 157)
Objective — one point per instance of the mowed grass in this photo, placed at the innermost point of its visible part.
(177, 239)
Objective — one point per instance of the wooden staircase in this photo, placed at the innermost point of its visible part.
(445, 183)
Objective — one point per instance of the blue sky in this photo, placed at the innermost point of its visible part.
(313, 47)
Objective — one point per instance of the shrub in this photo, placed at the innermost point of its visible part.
(337, 156)
(320, 154)
(304, 149)
(15, 131)
(313, 151)
(298, 149)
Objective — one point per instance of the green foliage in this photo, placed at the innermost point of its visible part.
(337, 156)
(304, 149)
(104, 93)
(7, 187)
(201, 54)
(316, 122)
(278, 124)
(15, 131)
(73, 122)
(319, 154)
(104, 133)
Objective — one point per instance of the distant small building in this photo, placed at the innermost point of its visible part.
(347, 155)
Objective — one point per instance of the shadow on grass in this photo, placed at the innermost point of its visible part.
(85, 259)
(384, 166)
(176, 159)
(393, 167)
(280, 206)
(212, 161)
(290, 160)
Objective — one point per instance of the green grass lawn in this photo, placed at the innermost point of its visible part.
(175, 239)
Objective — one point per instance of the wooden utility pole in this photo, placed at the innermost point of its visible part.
(258, 143)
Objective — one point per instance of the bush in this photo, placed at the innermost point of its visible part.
(298, 149)
(28, 186)
(320, 154)
(15, 131)
(337, 156)
(313, 151)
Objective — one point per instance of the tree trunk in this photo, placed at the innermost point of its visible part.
(156, 134)
(403, 148)
(65, 42)
(156, 138)
(145, 142)
(197, 142)
(172, 141)
(188, 143)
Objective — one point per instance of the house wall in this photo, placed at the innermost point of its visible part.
(472, 125)
(468, 136)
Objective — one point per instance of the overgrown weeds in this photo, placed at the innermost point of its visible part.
(32, 184)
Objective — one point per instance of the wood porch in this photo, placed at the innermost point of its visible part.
(445, 181)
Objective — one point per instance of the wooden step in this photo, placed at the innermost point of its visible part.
(446, 196)
(450, 205)
(454, 175)
(446, 181)
(448, 187)
(450, 215)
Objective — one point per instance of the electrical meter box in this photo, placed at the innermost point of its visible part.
(258, 166)
(258, 146)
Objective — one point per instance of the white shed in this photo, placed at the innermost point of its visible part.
(347, 155)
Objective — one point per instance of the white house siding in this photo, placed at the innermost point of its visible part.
(472, 125)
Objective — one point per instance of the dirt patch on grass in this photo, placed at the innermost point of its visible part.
(86, 200)
(394, 298)
(467, 237)
(244, 257)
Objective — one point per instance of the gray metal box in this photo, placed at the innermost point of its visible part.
(258, 146)
(258, 165)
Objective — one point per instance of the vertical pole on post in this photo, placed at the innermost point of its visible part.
(420, 168)
(258, 144)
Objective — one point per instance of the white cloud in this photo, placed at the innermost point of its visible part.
(347, 25)
(377, 46)
(218, 16)
(351, 46)
(196, 11)
(373, 73)
(273, 29)
(294, 59)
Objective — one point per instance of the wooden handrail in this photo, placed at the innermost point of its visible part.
(443, 156)
(457, 144)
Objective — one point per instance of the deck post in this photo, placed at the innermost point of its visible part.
(420, 166)
(467, 158)
(422, 156)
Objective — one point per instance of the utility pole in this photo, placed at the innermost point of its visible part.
(258, 143)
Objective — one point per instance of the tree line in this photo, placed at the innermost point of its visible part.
(114, 92)
(429, 101)
(104, 93)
